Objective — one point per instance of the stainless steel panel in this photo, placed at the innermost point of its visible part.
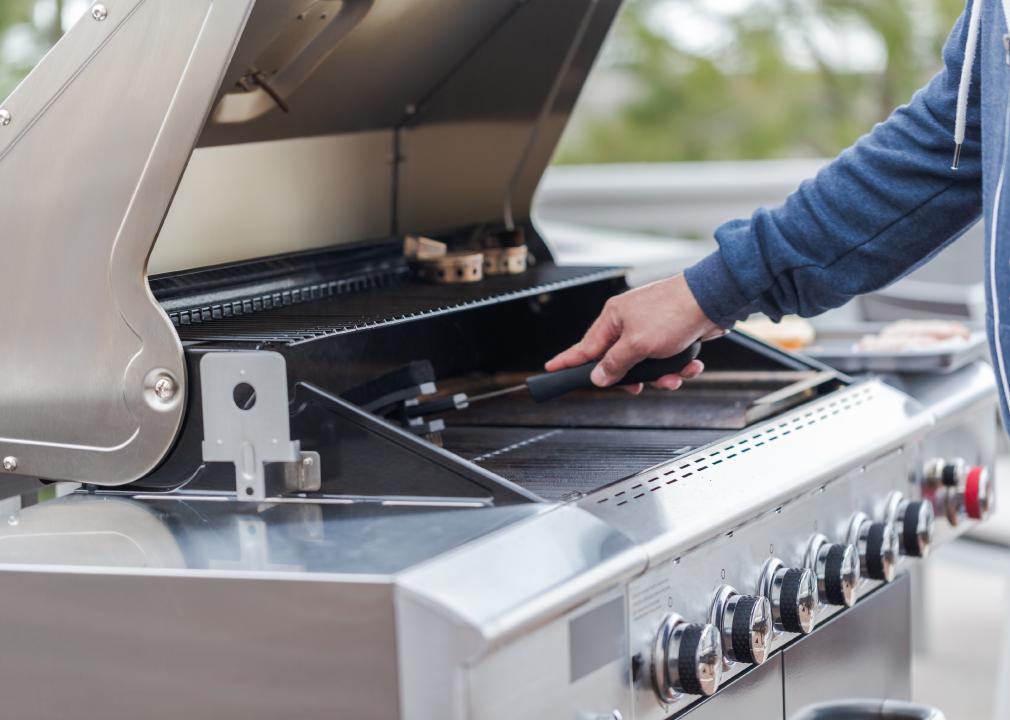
(100, 134)
(865, 652)
(755, 696)
(246, 201)
(477, 147)
(469, 98)
(729, 483)
(470, 603)
(688, 583)
(215, 537)
(95, 646)
(529, 678)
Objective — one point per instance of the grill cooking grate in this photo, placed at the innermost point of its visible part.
(559, 463)
(293, 323)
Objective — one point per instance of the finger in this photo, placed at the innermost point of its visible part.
(615, 364)
(601, 335)
(717, 333)
(692, 370)
(635, 389)
(669, 382)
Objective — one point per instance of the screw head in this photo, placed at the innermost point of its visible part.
(165, 388)
(99, 12)
(5, 117)
(308, 462)
(10, 463)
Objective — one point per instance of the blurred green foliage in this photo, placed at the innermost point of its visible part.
(18, 16)
(745, 99)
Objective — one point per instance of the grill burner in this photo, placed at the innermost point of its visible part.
(556, 463)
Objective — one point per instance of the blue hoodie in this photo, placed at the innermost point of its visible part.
(889, 203)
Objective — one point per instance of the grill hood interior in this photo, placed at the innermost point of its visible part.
(403, 116)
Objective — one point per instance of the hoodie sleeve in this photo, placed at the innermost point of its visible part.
(882, 208)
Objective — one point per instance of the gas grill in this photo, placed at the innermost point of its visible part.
(241, 475)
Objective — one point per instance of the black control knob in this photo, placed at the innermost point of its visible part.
(687, 659)
(878, 546)
(745, 622)
(792, 593)
(940, 472)
(836, 568)
(914, 522)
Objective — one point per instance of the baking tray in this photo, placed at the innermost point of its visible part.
(834, 347)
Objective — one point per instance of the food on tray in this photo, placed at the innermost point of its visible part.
(792, 333)
(907, 335)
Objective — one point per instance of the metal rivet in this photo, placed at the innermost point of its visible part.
(5, 117)
(99, 12)
(165, 388)
(10, 463)
(307, 462)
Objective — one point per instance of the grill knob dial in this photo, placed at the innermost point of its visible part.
(950, 473)
(836, 568)
(686, 659)
(957, 488)
(913, 522)
(745, 622)
(878, 547)
(978, 493)
(792, 593)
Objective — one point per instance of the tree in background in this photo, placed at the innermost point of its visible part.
(748, 97)
(18, 28)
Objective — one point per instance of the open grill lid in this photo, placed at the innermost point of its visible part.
(351, 120)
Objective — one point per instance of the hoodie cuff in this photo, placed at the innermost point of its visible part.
(716, 291)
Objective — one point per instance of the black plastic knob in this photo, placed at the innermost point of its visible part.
(835, 573)
(840, 575)
(950, 475)
(874, 551)
(741, 634)
(798, 601)
(699, 660)
(917, 529)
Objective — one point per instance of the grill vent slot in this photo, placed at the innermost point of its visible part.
(677, 470)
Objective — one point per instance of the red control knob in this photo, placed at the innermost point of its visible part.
(978, 493)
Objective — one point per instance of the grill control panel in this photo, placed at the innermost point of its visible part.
(700, 618)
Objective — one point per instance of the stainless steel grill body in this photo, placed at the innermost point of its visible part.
(279, 151)
(541, 610)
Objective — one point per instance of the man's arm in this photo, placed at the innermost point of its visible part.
(882, 208)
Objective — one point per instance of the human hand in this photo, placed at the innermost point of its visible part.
(657, 320)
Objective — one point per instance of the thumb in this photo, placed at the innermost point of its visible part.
(616, 364)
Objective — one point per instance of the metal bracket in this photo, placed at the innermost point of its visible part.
(245, 422)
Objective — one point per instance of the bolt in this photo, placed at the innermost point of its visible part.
(10, 463)
(165, 388)
(307, 462)
(5, 117)
(99, 12)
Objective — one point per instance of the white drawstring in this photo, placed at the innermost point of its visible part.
(967, 68)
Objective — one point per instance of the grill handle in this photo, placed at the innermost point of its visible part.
(869, 710)
(552, 385)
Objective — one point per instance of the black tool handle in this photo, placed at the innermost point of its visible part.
(438, 405)
(551, 385)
